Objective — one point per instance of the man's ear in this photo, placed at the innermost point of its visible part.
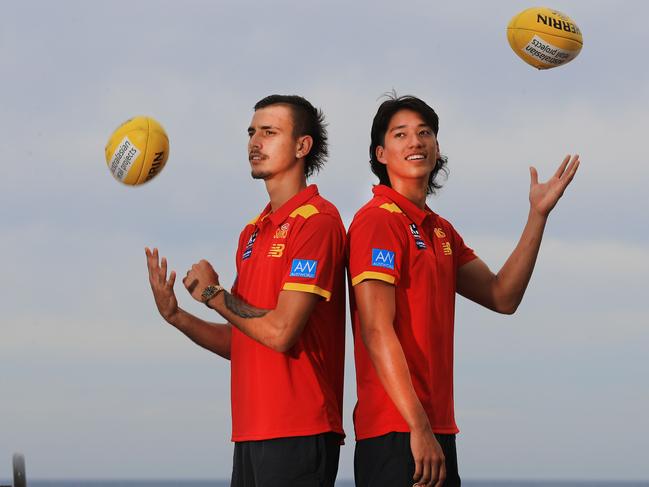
(303, 146)
(380, 154)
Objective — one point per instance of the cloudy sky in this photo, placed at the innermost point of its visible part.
(94, 384)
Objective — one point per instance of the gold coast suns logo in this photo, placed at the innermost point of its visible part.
(277, 249)
(282, 231)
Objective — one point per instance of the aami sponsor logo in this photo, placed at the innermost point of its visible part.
(303, 268)
(383, 258)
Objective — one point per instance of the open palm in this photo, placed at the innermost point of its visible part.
(163, 288)
(544, 196)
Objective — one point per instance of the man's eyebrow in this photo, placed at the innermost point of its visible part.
(263, 127)
(398, 127)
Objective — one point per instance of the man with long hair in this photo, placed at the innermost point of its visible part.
(405, 265)
(285, 329)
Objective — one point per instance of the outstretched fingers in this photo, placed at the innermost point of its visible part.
(562, 167)
(172, 276)
(534, 176)
(158, 268)
(572, 168)
(151, 258)
(172, 279)
(151, 263)
(570, 172)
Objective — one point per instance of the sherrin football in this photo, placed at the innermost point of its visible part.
(544, 38)
(137, 151)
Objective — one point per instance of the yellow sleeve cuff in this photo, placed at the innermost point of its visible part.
(373, 275)
(307, 288)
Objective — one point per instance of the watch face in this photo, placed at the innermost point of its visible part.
(210, 291)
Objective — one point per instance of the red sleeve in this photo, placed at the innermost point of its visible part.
(376, 247)
(315, 255)
(462, 253)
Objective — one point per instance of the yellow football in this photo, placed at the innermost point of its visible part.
(544, 38)
(137, 151)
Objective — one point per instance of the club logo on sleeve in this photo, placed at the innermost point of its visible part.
(303, 268)
(383, 258)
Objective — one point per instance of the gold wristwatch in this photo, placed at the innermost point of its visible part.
(210, 291)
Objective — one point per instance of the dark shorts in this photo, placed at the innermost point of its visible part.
(386, 461)
(297, 461)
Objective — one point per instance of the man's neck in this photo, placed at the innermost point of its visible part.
(282, 188)
(414, 190)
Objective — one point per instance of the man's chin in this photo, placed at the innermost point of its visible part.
(260, 174)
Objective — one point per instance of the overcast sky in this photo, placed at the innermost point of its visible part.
(94, 384)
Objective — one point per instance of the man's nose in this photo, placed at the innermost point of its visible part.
(414, 140)
(254, 142)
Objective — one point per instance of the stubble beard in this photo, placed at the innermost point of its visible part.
(258, 174)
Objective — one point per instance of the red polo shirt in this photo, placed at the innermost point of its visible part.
(299, 247)
(392, 240)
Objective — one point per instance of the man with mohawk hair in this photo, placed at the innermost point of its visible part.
(285, 329)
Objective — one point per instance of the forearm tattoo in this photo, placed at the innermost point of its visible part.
(241, 308)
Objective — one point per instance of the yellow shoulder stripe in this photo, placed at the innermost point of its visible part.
(307, 288)
(305, 211)
(363, 276)
(391, 207)
(254, 220)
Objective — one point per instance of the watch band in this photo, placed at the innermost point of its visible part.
(210, 291)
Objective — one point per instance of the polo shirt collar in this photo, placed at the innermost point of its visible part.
(282, 213)
(412, 211)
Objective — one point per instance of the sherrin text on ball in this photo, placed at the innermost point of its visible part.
(544, 38)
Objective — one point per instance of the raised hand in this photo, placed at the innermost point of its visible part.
(163, 288)
(544, 196)
(201, 275)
